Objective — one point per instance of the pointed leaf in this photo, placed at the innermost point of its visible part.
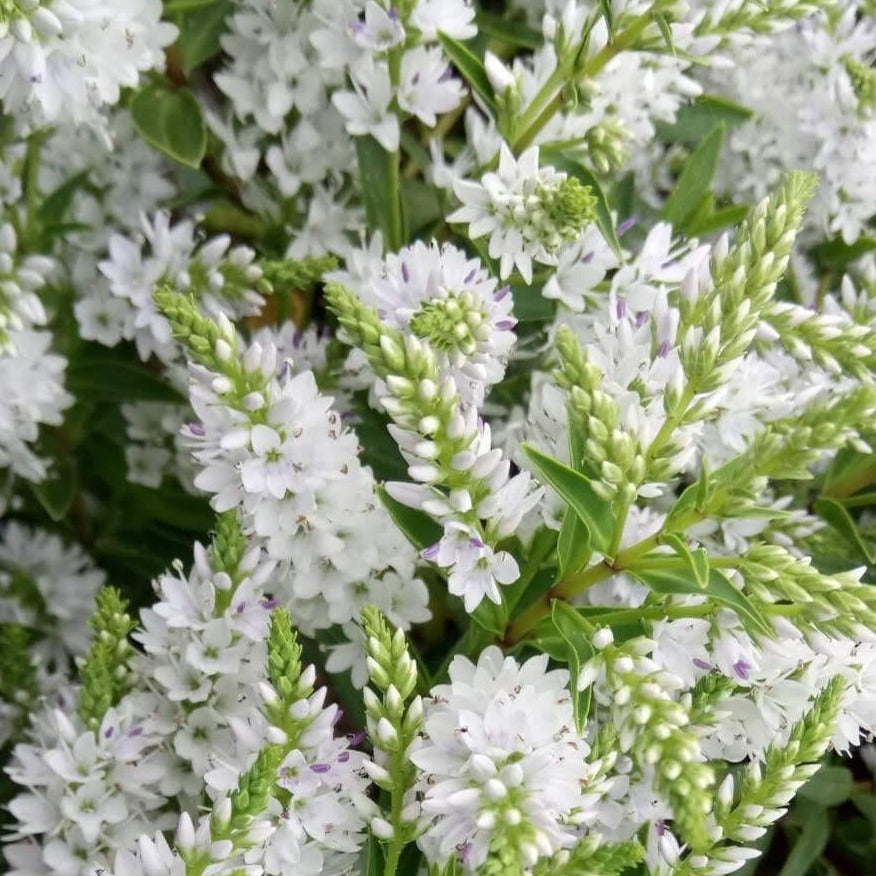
(810, 843)
(172, 122)
(418, 527)
(471, 69)
(573, 544)
(577, 491)
(697, 561)
(375, 167)
(671, 582)
(840, 519)
(579, 650)
(695, 180)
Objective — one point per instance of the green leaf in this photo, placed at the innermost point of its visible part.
(839, 518)
(111, 379)
(375, 168)
(56, 493)
(513, 32)
(725, 217)
(697, 119)
(837, 253)
(665, 32)
(810, 844)
(695, 180)
(200, 31)
(577, 491)
(677, 582)
(471, 69)
(697, 561)
(491, 617)
(830, 786)
(573, 544)
(375, 865)
(418, 527)
(604, 218)
(171, 121)
(530, 305)
(579, 650)
(608, 15)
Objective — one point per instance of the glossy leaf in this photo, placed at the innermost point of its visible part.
(171, 121)
(573, 544)
(697, 560)
(577, 491)
(471, 69)
(579, 650)
(671, 582)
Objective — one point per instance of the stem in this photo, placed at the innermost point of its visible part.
(542, 109)
(393, 853)
(574, 584)
(395, 228)
(31, 182)
(670, 424)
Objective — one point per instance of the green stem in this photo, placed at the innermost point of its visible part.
(549, 99)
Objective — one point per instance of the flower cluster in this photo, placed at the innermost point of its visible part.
(508, 375)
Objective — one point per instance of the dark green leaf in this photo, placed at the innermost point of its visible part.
(419, 528)
(108, 379)
(471, 68)
(810, 844)
(837, 253)
(695, 180)
(577, 491)
(725, 217)
(697, 119)
(530, 305)
(579, 650)
(830, 786)
(573, 544)
(670, 582)
(200, 33)
(839, 518)
(375, 168)
(171, 121)
(56, 493)
(604, 218)
(514, 32)
(410, 861)
(422, 207)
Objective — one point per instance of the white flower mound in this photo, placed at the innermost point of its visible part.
(62, 60)
(501, 754)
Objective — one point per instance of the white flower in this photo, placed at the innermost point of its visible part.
(499, 736)
(63, 61)
(366, 108)
(427, 86)
(528, 211)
